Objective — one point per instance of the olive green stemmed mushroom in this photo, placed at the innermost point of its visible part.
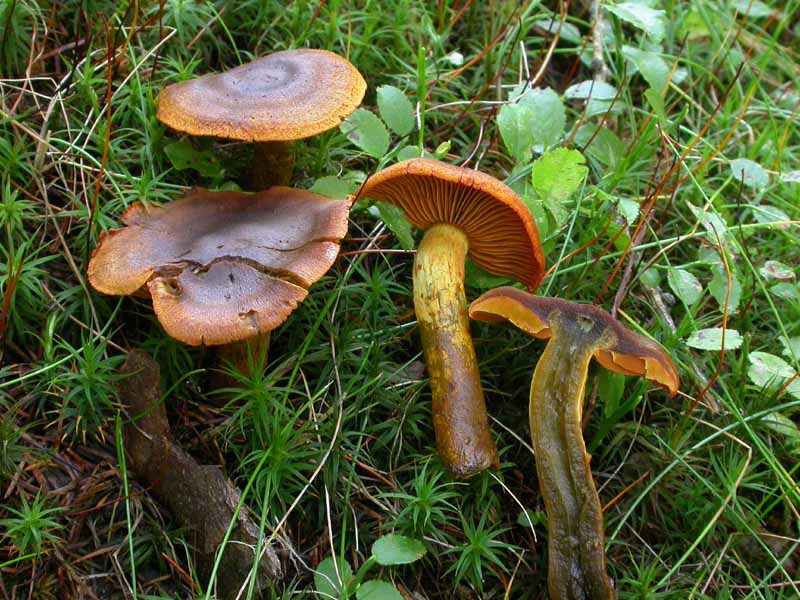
(271, 101)
(465, 213)
(576, 333)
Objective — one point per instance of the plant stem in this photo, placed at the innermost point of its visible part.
(459, 411)
(576, 564)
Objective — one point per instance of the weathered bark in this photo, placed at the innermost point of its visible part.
(199, 496)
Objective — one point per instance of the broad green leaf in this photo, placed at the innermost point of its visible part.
(182, 155)
(326, 580)
(366, 131)
(555, 176)
(752, 8)
(790, 177)
(771, 214)
(604, 145)
(629, 209)
(653, 68)
(718, 287)
(568, 32)
(610, 387)
(531, 517)
(477, 277)
(378, 590)
(641, 16)
(548, 116)
(711, 221)
(791, 347)
(395, 549)
(711, 339)
(770, 371)
(783, 425)
(395, 109)
(750, 173)
(412, 151)
(773, 269)
(334, 187)
(599, 94)
(513, 122)
(395, 219)
(650, 278)
(786, 291)
(685, 285)
(656, 101)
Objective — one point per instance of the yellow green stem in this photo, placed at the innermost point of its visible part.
(576, 541)
(459, 411)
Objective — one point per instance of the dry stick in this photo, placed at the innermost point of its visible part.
(199, 496)
(598, 60)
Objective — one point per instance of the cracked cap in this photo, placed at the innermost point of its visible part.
(222, 266)
(288, 95)
(625, 352)
(500, 230)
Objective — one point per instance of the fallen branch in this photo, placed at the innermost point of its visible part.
(199, 496)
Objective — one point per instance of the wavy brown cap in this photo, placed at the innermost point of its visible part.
(500, 230)
(629, 354)
(288, 95)
(222, 266)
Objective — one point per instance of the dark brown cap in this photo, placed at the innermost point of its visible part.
(625, 352)
(288, 95)
(222, 266)
(500, 230)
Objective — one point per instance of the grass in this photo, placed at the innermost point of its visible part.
(333, 442)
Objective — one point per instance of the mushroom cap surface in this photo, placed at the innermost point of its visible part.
(287, 95)
(500, 230)
(222, 266)
(628, 353)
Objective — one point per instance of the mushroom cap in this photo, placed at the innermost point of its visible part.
(287, 95)
(222, 266)
(500, 230)
(628, 352)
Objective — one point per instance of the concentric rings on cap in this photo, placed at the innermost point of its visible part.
(500, 230)
(287, 95)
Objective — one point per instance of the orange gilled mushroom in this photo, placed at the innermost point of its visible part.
(464, 212)
(576, 333)
(222, 266)
(272, 101)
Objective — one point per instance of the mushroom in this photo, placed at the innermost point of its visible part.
(222, 266)
(272, 101)
(576, 333)
(464, 212)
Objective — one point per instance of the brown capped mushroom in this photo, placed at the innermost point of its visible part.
(272, 101)
(464, 212)
(222, 266)
(576, 333)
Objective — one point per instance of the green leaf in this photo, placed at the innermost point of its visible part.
(791, 347)
(333, 187)
(718, 287)
(568, 31)
(477, 277)
(555, 176)
(395, 109)
(395, 549)
(326, 580)
(652, 67)
(750, 173)
(182, 155)
(378, 590)
(366, 131)
(765, 213)
(600, 96)
(649, 20)
(752, 8)
(711, 339)
(605, 146)
(610, 387)
(783, 425)
(770, 371)
(773, 269)
(536, 517)
(536, 117)
(685, 285)
(711, 221)
(396, 221)
(786, 291)
(629, 209)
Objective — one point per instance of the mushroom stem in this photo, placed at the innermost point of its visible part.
(238, 355)
(576, 568)
(273, 163)
(459, 411)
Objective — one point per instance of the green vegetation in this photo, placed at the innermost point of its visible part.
(668, 192)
